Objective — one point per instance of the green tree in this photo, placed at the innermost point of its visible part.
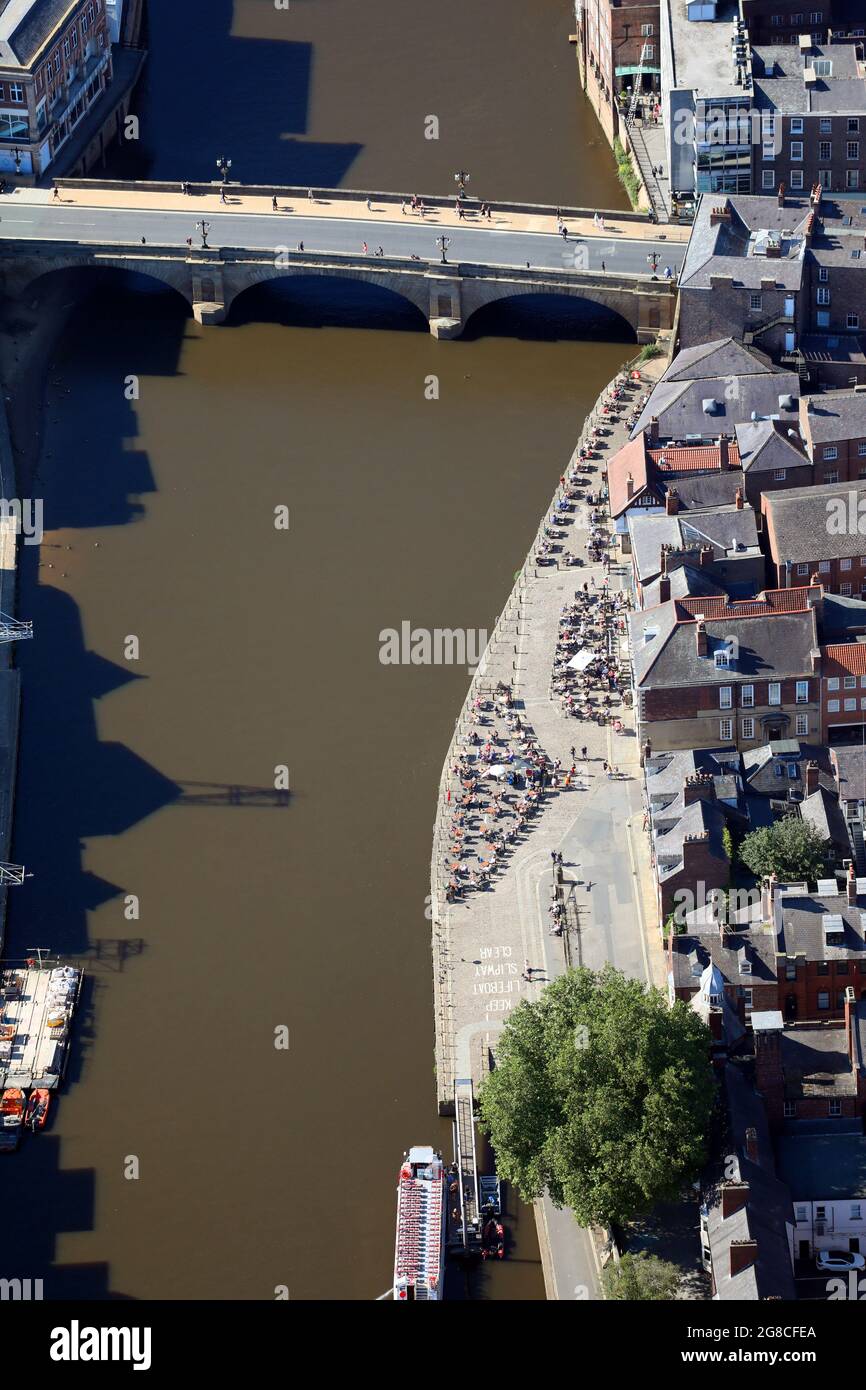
(791, 848)
(639, 1277)
(602, 1094)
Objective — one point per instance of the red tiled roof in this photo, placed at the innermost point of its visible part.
(695, 458)
(720, 606)
(844, 658)
(631, 458)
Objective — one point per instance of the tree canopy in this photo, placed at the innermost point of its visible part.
(602, 1094)
(641, 1277)
(791, 848)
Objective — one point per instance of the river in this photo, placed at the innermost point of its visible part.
(255, 1166)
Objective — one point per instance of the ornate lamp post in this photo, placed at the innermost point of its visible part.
(204, 228)
(224, 165)
(461, 178)
(443, 242)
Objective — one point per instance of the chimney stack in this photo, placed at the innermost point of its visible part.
(652, 430)
(743, 1254)
(751, 1146)
(735, 1196)
(811, 778)
(723, 451)
(629, 487)
(851, 1027)
(738, 499)
(706, 556)
(781, 195)
(701, 637)
(664, 588)
(851, 886)
(672, 502)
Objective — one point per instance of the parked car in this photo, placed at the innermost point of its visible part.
(839, 1260)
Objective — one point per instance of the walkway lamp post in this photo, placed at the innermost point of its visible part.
(204, 228)
(443, 242)
(461, 178)
(17, 156)
(224, 165)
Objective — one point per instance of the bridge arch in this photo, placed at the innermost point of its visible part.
(350, 297)
(549, 313)
(22, 278)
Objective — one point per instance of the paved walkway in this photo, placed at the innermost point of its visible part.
(651, 152)
(486, 944)
(352, 207)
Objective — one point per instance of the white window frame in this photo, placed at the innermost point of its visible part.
(774, 693)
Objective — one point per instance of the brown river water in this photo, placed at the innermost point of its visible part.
(261, 1167)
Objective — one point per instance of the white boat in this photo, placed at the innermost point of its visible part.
(419, 1256)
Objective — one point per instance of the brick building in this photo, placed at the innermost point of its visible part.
(810, 100)
(774, 272)
(808, 531)
(833, 429)
(55, 63)
(712, 671)
(618, 48)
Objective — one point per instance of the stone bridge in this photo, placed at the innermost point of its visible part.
(447, 294)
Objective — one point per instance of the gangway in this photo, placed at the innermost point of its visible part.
(466, 1163)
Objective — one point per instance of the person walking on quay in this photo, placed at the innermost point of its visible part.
(563, 232)
(55, 196)
(583, 754)
(300, 246)
(527, 972)
(460, 213)
(310, 195)
(403, 207)
(573, 754)
(369, 205)
(274, 206)
(603, 267)
(185, 188)
(223, 198)
(379, 251)
(189, 242)
(364, 247)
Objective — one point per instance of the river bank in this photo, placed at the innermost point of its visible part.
(492, 948)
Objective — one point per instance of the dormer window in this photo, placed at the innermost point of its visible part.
(721, 660)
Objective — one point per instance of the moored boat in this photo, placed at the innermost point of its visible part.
(419, 1257)
(37, 1108)
(11, 1117)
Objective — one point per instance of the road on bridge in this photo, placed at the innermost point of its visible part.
(114, 217)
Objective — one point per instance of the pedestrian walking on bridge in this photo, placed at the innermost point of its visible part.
(274, 203)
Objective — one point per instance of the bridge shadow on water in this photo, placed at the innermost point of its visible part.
(549, 318)
(73, 786)
(244, 97)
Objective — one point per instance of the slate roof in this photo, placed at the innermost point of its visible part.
(850, 759)
(836, 415)
(778, 82)
(764, 445)
(729, 247)
(823, 1167)
(821, 809)
(751, 945)
(801, 527)
(25, 25)
(675, 822)
(685, 581)
(679, 405)
(801, 915)
(729, 530)
(771, 646)
(726, 356)
(767, 1213)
